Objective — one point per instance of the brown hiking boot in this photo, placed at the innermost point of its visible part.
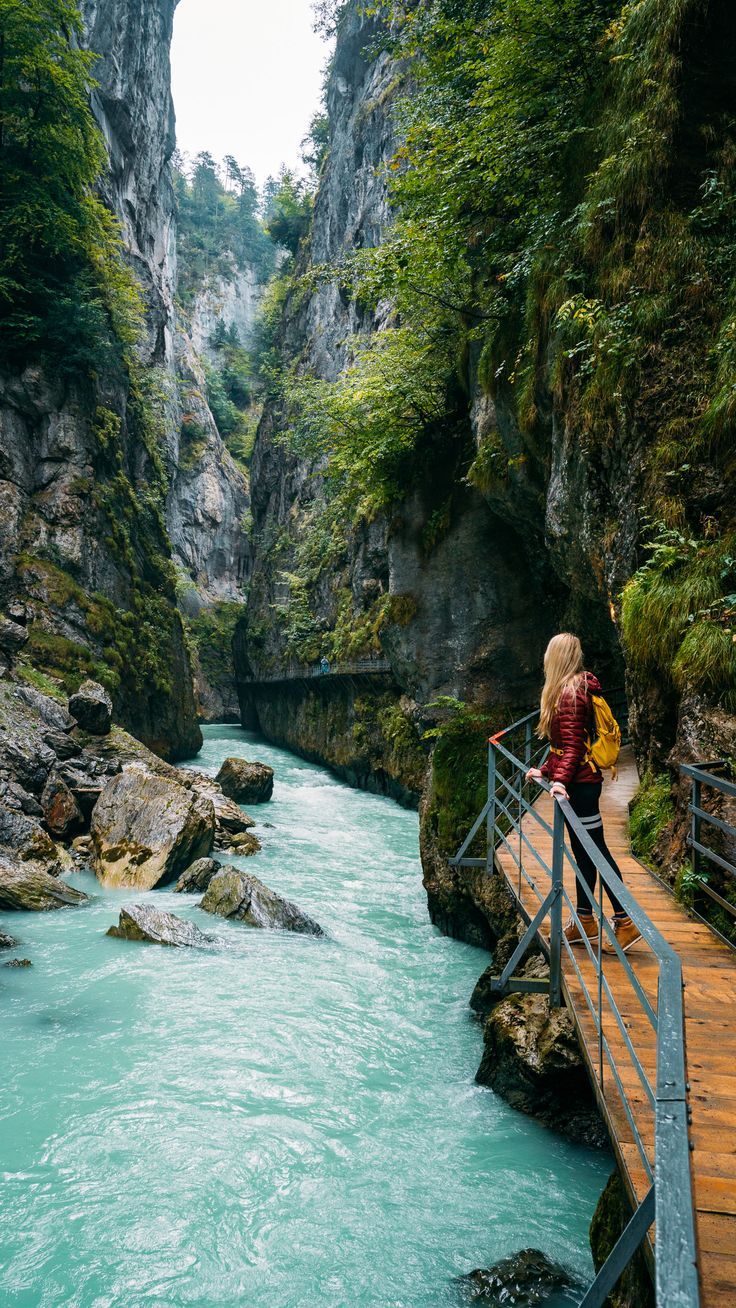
(626, 935)
(573, 934)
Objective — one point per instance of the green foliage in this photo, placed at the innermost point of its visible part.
(218, 227)
(678, 614)
(367, 424)
(211, 633)
(289, 211)
(652, 810)
(65, 291)
(459, 770)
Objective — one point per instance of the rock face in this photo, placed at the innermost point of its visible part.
(141, 922)
(91, 706)
(198, 875)
(524, 1280)
(147, 828)
(612, 1215)
(26, 887)
(23, 840)
(237, 895)
(247, 783)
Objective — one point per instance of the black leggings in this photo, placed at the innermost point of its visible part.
(585, 798)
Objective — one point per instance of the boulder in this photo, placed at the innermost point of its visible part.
(523, 1280)
(142, 922)
(62, 814)
(23, 840)
(198, 875)
(92, 708)
(248, 783)
(6, 941)
(147, 828)
(18, 962)
(13, 636)
(82, 845)
(532, 1059)
(12, 795)
(244, 842)
(26, 887)
(64, 746)
(229, 817)
(49, 710)
(236, 894)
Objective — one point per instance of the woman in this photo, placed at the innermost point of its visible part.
(565, 719)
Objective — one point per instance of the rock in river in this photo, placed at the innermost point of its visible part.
(147, 828)
(142, 922)
(524, 1280)
(6, 941)
(198, 875)
(248, 783)
(238, 895)
(27, 887)
(92, 708)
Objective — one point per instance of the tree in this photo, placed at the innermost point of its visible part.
(288, 217)
(62, 281)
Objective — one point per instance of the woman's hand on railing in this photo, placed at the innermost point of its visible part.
(534, 774)
(558, 791)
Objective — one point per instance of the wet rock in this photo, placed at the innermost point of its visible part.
(198, 875)
(248, 783)
(142, 922)
(23, 840)
(26, 887)
(6, 941)
(244, 842)
(18, 962)
(92, 708)
(236, 894)
(229, 817)
(61, 811)
(146, 829)
(82, 845)
(532, 1058)
(13, 636)
(613, 1213)
(524, 1280)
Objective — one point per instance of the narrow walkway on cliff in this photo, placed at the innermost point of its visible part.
(626, 1093)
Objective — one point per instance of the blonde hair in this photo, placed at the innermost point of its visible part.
(563, 670)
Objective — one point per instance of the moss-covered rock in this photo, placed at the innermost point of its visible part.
(612, 1214)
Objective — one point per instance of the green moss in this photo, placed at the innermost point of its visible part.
(652, 810)
(40, 680)
(385, 734)
(459, 772)
(678, 614)
(211, 633)
(67, 660)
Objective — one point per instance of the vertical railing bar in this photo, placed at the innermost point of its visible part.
(555, 917)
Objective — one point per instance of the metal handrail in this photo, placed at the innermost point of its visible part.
(702, 775)
(668, 1200)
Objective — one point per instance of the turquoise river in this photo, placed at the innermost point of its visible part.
(277, 1122)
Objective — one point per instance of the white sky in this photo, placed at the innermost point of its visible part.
(247, 77)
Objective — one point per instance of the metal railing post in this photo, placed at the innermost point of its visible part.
(528, 745)
(491, 819)
(695, 803)
(555, 914)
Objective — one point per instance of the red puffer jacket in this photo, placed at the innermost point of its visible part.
(569, 732)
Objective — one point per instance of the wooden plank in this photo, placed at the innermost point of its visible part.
(709, 974)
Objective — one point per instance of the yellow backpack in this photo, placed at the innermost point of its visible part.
(605, 749)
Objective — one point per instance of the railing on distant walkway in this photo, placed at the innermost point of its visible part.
(326, 668)
(668, 1198)
(705, 826)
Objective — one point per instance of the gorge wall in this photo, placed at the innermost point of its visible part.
(517, 514)
(106, 520)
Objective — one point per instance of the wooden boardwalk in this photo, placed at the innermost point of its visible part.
(709, 971)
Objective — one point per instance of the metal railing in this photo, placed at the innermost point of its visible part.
(708, 826)
(307, 671)
(654, 1107)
